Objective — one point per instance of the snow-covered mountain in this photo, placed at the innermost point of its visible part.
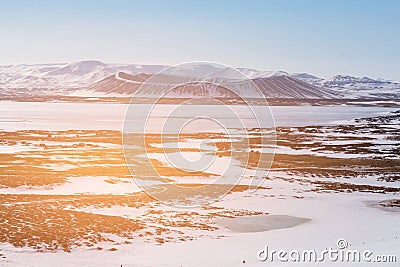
(360, 87)
(91, 75)
(65, 75)
(347, 86)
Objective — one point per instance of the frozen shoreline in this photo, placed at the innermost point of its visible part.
(110, 116)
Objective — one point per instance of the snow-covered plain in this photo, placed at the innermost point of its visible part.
(306, 182)
(333, 217)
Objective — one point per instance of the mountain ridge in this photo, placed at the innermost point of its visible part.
(83, 74)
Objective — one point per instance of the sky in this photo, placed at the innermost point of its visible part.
(321, 37)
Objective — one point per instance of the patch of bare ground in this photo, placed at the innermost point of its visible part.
(392, 203)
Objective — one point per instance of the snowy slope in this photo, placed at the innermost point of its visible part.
(252, 73)
(364, 87)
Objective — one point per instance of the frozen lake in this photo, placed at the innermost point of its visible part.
(97, 116)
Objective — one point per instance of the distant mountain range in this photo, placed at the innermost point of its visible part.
(97, 78)
(61, 75)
